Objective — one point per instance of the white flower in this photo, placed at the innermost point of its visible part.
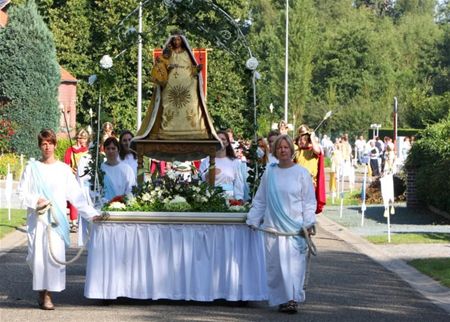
(178, 199)
(166, 200)
(106, 62)
(146, 197)
(204, 199)
(117, 205)
(177, 187)
(252, 63)
(238, 208)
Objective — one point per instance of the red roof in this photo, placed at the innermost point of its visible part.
(67, 77)
(3, 18)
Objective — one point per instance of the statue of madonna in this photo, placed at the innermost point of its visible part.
(177, 110)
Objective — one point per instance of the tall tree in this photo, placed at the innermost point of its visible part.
(29, 76)
(303, 45)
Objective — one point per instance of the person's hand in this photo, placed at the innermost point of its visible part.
(42, 202)
(313, 135)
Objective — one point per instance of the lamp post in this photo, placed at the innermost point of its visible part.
(139, 71)
(375, 129)
(394, 139)
(286, 71)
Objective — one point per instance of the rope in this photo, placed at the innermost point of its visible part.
(53, 223)
(303, 233)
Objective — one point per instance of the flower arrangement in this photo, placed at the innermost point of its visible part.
(172, 193)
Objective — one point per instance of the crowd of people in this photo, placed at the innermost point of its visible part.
(290, 194)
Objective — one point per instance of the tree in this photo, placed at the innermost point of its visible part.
(303, 45)
(29, 76)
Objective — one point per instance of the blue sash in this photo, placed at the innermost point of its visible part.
(278, 213)
(63, 223)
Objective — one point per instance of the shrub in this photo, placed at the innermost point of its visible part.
(430, 156)
(61, 147)
(29, 77)
(14, 162)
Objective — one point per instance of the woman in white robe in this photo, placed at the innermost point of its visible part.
(59, 186)
(285, 202)
(119, 178)
(227, 169)
(125, 154)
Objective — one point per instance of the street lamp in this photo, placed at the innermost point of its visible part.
(286, 71)
(375, 129)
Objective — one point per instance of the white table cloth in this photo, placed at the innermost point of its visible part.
(199, 262)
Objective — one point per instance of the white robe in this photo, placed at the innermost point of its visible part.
(228, 176)
(122, 179)
(48, 275)
(132, 162)
(286, 266)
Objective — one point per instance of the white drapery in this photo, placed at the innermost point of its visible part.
(176, 261)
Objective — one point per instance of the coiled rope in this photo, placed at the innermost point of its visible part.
(54, 223)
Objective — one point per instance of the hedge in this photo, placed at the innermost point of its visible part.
(430, 156)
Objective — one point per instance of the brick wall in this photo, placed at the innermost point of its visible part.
(67, 97)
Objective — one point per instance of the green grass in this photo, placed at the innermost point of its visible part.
(350, 199)
(437, 268)
(18, 219)
(411, 238)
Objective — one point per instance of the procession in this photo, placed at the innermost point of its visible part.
(188, 200)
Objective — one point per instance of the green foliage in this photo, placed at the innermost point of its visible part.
(430, 156)
(62, 145)
(351, 57)
(29, 77)
(6, 132)
(13, 160)
(437, 268)
(411, 238)
(18, 220)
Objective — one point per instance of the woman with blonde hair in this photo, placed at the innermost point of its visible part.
(285, 202)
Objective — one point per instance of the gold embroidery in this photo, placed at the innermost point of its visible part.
(179, 96)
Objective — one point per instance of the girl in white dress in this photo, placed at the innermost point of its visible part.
(227, 170)
(125, 154)
(119, 178)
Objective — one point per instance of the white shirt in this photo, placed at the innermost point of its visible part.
(228, 176)
(132, 162)
(122, 179)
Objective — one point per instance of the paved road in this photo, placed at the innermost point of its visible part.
(344, 286)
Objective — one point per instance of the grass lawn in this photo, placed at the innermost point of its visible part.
(18, 219)
(411, 238)
(350, 199)
(437, 268)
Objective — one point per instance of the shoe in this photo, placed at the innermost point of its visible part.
(45, 301)
(290, 307)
